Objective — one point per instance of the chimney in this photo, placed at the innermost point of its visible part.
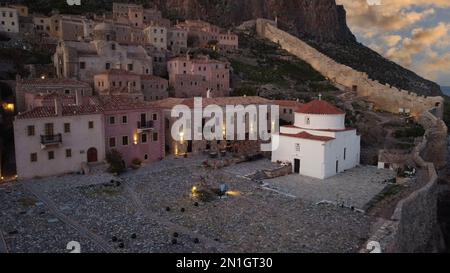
(78, 97)
(208, 93)
(58, 106)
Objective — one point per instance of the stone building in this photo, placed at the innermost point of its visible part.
(48, 86)
(204, 34)
(156, 36)
(83, 60)
(318, 144)
(9, 19)
(132, 12)
(191, 77)
(287, 110)
(241, 147)
(177, 40)
(154, 88)
(118, 82)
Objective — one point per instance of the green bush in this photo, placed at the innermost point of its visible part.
(116, 163)
(410, 132)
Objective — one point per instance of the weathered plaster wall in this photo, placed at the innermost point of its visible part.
(384, 97)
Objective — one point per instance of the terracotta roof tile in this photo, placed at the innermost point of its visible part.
(319, 107)
(52, 81)
(323, 130)
(220, 101)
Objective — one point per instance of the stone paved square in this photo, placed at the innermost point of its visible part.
(151, 210)
(355, 187)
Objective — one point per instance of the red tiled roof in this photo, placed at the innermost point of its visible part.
(319, 107)
(117, 72)
(220, 101)
(305, 135)
(117, 102)
(288, 103)
(151, 78)
(69, 110)
(324, 130)
(52, 81)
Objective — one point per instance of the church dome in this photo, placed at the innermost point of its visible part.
(319, 107)
(319, 115)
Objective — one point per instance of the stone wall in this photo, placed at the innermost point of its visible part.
(413, 227)
(384, 97)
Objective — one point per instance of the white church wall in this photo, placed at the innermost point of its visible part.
(334, 151)
(311, 155)
(309, 121)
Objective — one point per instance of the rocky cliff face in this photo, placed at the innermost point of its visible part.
(321, 23)
(319, 19)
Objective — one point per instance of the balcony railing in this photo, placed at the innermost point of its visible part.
(145, 125)
(51, 139)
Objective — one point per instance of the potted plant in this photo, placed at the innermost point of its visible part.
(136, 163)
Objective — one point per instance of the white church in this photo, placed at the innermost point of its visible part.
(318, 144)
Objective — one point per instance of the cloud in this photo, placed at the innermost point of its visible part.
(392, 40)
(413, 33)
(421, 39)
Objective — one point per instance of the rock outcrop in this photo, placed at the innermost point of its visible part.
(319, 19)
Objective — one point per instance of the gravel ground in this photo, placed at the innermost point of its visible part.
(251, 219)
(29, 227)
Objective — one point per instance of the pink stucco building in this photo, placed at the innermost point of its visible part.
(134, 128)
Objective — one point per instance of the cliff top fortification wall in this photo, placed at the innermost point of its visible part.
(384, 97)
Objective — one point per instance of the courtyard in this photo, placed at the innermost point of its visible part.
(152, 210)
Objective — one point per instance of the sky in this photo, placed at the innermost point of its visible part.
(413, 33)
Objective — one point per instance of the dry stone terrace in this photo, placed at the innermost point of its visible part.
(131, 215)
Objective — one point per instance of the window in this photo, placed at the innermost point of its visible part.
(112, 142)
(91, 125)
(68, 153)
(125, 140)
(130, 67)
(146, 157)
(308, 121)
(30, 130)
(144, 138)
(51, 155)
(155, 117)
(108, 66)
(33, 157)
(155, 136)
(284, 111)
(67, 92)
(113, 46)
(66, 128)
(112, 120)
(297, 147)
(345, 153)
(124, 119)
(82, 65)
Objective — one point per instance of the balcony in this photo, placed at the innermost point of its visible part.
(50, 140)
(145, 126)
